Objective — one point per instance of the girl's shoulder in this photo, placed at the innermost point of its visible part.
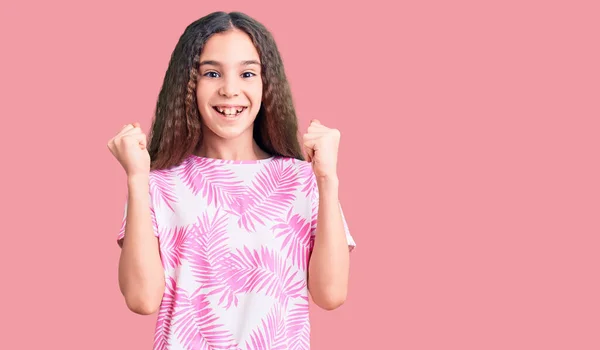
(288, 166)
(294, 162)
(302, 169)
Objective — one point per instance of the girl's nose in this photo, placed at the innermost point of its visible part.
(230, 88)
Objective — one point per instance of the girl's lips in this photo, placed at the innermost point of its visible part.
(231, 116)
(229, 109)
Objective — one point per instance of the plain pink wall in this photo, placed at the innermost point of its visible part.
(469, 165)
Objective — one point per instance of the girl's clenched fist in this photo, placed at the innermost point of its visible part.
(321, 144)
(129, 147)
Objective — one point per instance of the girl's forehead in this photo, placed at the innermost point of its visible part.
(231, 47)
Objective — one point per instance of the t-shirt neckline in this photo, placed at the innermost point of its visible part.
(230, 161)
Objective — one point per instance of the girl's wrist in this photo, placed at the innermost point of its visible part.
(328, 185)
(138, 181)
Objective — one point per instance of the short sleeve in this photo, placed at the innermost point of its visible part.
(315, 212)
(121, 233)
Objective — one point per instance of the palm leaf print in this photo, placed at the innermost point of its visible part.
(271, 333)
(216, 184)
(208, 256)
(298, 326)
(196, 326)
(162, 188)
(296, 234)
(314, 195)
(163, 322)
(309, 182)
(265, 272)
(271, 194)
(173, 244)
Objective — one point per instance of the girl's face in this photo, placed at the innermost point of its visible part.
(229, 89)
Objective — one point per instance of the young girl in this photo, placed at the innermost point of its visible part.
(227, 228)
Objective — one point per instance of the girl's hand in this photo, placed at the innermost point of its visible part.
(129, 147)
(321, 144)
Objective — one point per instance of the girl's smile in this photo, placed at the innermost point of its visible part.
(230, 112)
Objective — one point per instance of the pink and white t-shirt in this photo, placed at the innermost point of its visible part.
(235, 240)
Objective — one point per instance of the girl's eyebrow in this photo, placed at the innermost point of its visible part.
(218, 64)
(250, 62)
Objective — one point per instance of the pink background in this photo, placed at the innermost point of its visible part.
(469, 165)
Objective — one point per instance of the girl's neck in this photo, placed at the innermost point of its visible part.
(237, 149)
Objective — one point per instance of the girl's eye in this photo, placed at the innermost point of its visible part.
(211, 74)
(248, 74)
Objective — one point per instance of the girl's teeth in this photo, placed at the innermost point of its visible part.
(229, 111)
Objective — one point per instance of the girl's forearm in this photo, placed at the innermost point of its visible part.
(330, 259)
(141, 277)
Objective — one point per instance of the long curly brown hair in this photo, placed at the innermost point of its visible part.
(176, 127)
